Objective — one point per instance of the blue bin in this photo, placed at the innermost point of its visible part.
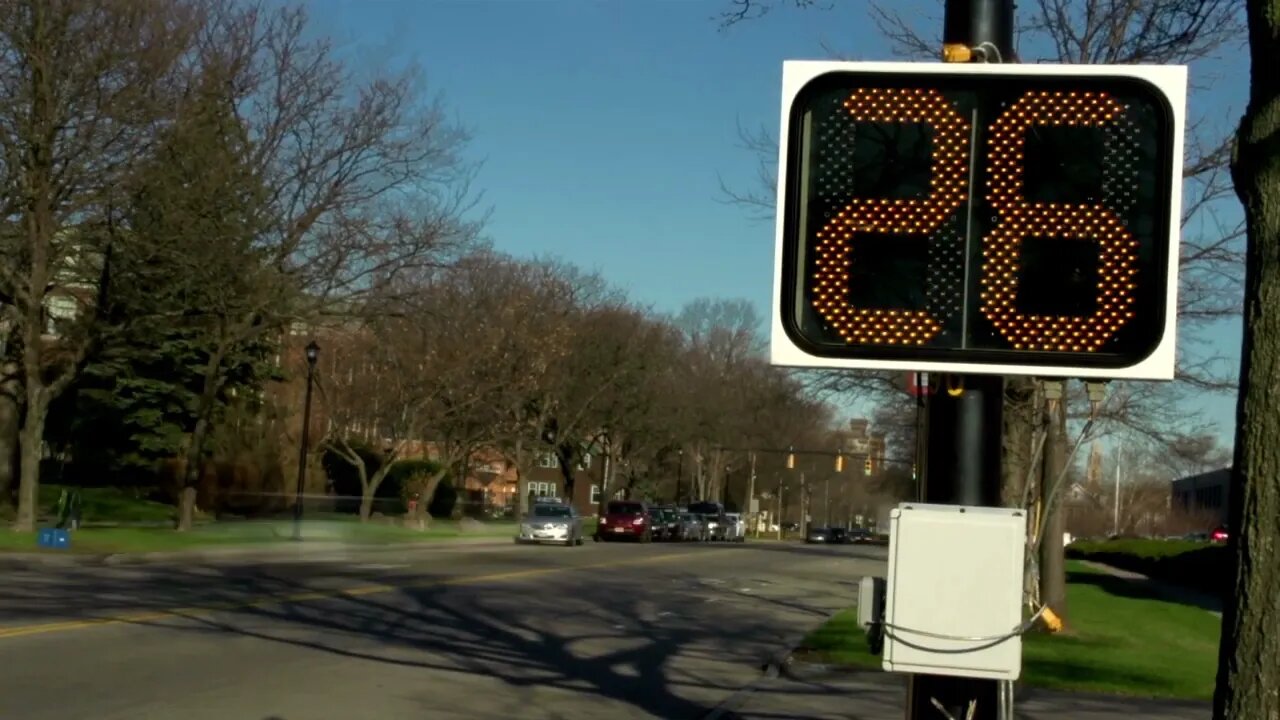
(56, 538)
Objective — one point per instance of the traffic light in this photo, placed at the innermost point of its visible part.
(866, 467)
(979, 218)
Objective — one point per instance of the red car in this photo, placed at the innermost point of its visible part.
(1219, 534)
(625, 519)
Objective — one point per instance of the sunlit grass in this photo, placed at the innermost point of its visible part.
(1119, 641)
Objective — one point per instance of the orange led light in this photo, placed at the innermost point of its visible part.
(1019, 219)
(948, 190)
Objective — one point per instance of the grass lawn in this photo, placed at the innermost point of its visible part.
(108, 505)
(1120, 641)
(248, 532)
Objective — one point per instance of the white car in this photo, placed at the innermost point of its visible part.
(735, 529)
(551, 522)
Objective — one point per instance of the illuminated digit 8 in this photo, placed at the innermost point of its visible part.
(947, 190)
(1019, 219)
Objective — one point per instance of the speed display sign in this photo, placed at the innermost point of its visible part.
(1004, 219)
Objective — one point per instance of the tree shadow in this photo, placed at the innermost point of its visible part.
(670, 650)
(1147, 589)
(853, 551)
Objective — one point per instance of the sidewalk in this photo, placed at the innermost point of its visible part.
(799, 694)
(314, 550)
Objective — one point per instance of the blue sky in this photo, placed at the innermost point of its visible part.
(604, 125)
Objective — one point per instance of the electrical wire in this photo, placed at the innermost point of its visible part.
(986, 50)
(985, 640)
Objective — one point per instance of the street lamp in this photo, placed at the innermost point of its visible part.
(313, 352)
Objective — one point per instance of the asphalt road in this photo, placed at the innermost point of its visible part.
(613, 630)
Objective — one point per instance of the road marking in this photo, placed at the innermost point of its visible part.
(309, 596)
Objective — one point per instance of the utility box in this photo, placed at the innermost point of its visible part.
(954, 591)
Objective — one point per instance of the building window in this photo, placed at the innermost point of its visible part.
(585, 462)
(548, 460)
(543, 489)
(595, 494)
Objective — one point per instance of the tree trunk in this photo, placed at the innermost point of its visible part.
(1249, 654)
(191, 474)
(607, 474)
(366, 504)
(194, 468)
(10, 430)
(522, 482)
(1020, 412)
(369, 486)
(568, 459)
(31, 445)
(1053, 492)
(433, 484)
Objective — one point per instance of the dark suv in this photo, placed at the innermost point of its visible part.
(629, 519)
(669, 517)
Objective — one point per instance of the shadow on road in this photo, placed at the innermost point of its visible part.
(649, 637)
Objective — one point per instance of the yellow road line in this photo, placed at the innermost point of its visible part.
(308, 596)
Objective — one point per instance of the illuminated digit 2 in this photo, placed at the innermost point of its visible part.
(1019, 219)
(947, 191)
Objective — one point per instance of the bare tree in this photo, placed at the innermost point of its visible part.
(433, 374)
(548, 297)
(1249, 660)
(742, 10)
(364, 183)
(82, 89)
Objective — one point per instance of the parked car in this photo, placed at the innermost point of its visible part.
(625, 519)
(817, 535)
(1219, 534)
(658, 527)
(860, 535)
(670, 518)
(838, 536)
(715, 527)
(713, 517)
(551, 522)
(693, 528)
(735, 528)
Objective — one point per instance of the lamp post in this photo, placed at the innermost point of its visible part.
(679, 474)
(313, 352)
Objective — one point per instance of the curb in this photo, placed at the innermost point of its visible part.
(774, 665)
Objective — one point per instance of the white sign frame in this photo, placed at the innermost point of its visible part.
(1171, 80)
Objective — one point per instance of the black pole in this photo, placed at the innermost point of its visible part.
(312, 350)
(970, 23)
(964, 418)
(962, 468)
(679, 476)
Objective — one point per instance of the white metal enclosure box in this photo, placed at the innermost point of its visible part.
(954, 591)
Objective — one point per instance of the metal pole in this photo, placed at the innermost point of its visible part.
(780, 489)
(963, 468)
(963, 419)
(302, 454)
(679, 476)
(804, 507)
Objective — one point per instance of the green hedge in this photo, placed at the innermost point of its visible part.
(1199, 565)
